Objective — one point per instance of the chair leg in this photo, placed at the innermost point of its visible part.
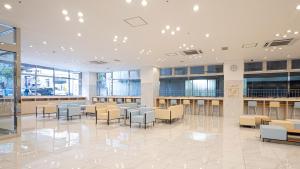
(130, 120)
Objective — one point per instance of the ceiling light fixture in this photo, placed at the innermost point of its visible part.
(144, 3)
(284, 36)
(196, 8)
(277, 34)
(45, 42)
(81, 20)
(184, 45)
(30, 46)
(64, 12)
(67, 18)
(116, 49)
(168, 27)
(79, 34)
(289, 31)
(7, 6)
(298, 7)
(128, 1)
(173, 33)
(177, 28)
(63, 48)
(207, 35)
(163, 31)
(296, 32)
(80, 14)
(213, 50)
(71, 49)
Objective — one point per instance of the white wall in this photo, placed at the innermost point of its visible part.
(233, 88)
(89, 83)
(149, 85)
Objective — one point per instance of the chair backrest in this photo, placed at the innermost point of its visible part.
(200, 102)
(186, 102)
(176, 110)
(162, 101)
(110, 100)
(252, 103)
(145, 109)
(102, 100)
(173, 102)
(215, 102)
(274, 104)
(297, 105)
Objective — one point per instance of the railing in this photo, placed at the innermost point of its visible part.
(196, 93)
(272, 93)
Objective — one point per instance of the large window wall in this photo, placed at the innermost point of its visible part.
(45, 81)
(120, 83)
(279, 78)
(205, 81)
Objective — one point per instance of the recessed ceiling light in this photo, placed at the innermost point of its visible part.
(187, 48)
(64, 12)
(212, 50)
(177, 28)
(116, 49)
(79, 34)
(7, 6)
(180, 47)
(71, 49)
(30, 46)
(142, 51)
(184, 45)
(45, 42)
(289, 31)
(192, 46)
(173, 33)
(284, 36)
(80, 14)
(207, 35)
(81, 20)
(196, 8)
(125, 38)
(296, 32)
(168, 27)
(116, 37)
(128, 1)
(280, 48)
(144, 3)
(298, 7)
(67, 18)
(115, 40)
(163, 31)
(277, 34)
(63, 48)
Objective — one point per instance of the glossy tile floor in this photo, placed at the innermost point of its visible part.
(197, 142)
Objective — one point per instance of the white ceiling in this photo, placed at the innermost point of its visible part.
(229, 22)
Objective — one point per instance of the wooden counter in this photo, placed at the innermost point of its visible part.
(103, 99)
(29, 103)
(285, 111)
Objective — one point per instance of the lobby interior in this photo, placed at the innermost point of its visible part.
(149, 84)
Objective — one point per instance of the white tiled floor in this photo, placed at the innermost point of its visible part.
(197, 142)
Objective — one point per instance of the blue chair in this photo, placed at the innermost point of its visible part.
(143, 115)
(273, 132)
(69, 110)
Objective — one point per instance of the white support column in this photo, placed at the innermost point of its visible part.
(89, 83)
(233, 88)
(149, 85)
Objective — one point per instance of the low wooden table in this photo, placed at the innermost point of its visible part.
(293, 135)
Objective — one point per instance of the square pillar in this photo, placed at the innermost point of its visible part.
(149, 85)
(89, 85)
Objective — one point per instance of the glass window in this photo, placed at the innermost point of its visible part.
(75, 75)
(28, 86)
(44, 71)
(277, 65)
(120, 88)
(121, 75)
(44, 86)
(197, 70)
(296, 64)
(7, 72)
(134, 74)
(7, 34)
(253, 66)
(61, 73)
(181, 71)
(294, 84)
(61, 86)
(166, 72)
(74, 87)
(215, 69)
(134, 87)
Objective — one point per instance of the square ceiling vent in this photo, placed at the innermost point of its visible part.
(136, 21)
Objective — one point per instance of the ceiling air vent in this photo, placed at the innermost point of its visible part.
(224, 48)
(136, 21)
(171, 54)
(98, 62)
(281, 42)
(190, 52)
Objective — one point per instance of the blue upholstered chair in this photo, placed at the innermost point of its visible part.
(273, 132)
(69, 110)
(142, 115)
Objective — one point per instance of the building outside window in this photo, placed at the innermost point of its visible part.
(45, 81)
(119, 83)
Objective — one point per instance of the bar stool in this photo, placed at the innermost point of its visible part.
(253, 105)
(162, 103)
(102, 100)
(187, 104)
(173, 102)
(215, 103)
(274, 106)
(296, 106)
(138, 101)
(128, 100)
(201, 103)
(119, 101)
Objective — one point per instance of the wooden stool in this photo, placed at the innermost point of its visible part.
(253, 105)
(162, 103)
(173, 102)
(128, 100)
(215, 103)
(110, 100)
(201, 103)
(296, 106)
(275, 106)
(187, 104)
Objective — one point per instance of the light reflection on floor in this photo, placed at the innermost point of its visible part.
(196, 142)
